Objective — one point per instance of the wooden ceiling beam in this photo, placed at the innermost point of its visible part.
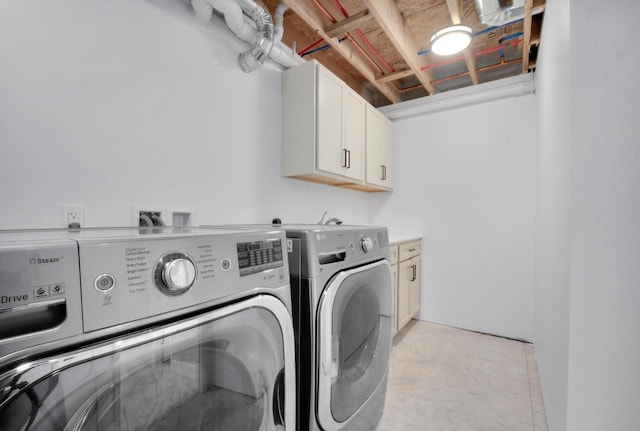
(355, 21)
(392, 22)
(314, 18)
(455, 9)
(294, 37)
(396, 75)
(528, 6)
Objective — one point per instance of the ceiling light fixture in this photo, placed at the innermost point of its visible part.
(450, 40)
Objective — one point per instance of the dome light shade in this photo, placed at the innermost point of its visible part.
(450, 40)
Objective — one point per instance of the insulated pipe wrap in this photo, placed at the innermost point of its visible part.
(257, 54)
(251, 22)
(491, 13)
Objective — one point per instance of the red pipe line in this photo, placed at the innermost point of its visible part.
(349, 37)
(364, 38)
(363, 52)
(325, 11)
(481, 52)
(375, 51)
(342, 9)
(310, 46)
(498, 47)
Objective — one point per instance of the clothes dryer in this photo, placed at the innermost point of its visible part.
(342, 306)
(145, 329)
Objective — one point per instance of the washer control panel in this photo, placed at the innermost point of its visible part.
(258, 256)
(128, 279)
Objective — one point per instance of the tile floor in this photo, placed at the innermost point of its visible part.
(448, 379)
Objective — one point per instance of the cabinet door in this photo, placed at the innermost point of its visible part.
(353, 138)
(414, 290)
(405, 275)
(330, 156)
(394, 279)
(378, 138)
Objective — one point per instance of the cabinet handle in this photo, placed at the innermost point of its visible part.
(347, 158)
(415, 273)
(384, 172)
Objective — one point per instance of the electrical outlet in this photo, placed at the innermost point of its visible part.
(73, 215)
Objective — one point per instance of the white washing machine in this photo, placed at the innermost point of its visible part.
(146, 329)
(342, 295)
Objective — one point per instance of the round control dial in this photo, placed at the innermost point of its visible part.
(366, 244)
(175, 273)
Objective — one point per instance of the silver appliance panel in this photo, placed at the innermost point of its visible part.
(131, 268)
(229, 368)
(39, 292)
(60, 287)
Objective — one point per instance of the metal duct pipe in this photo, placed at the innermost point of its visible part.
(253, 58)
(491, 13)
(256, 29)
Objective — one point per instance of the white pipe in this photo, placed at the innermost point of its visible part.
(258, 52)
(490, 12)
(248, 30)
(278, 20)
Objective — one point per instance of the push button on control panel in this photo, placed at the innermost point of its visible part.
(225, 264)
(104, 282)
(41, 291)
(57, 289)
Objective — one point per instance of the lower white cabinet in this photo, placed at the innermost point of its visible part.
(393, 258)
(407, 285)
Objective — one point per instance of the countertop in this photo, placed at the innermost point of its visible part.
(405, 237)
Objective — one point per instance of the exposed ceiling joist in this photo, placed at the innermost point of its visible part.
(395, 76)
(360, 19)
(455, 9)
(528, 6)
(294, 37)
(392, 22)
(373, 45)
(313, 16)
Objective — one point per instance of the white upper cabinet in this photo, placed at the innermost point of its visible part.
(379, 150)
(340, 127)
(323, 130)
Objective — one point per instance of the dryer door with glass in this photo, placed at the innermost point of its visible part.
(354, 340)
(226, 369)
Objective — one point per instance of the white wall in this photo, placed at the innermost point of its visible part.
(114, 104)
(604, 356)
(588, 218)
(465, 179)
(553, 213)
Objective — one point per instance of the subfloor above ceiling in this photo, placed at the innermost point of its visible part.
(380, 48)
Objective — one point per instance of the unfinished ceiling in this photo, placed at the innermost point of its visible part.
(380, 48)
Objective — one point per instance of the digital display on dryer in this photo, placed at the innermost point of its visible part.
(258, 256)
